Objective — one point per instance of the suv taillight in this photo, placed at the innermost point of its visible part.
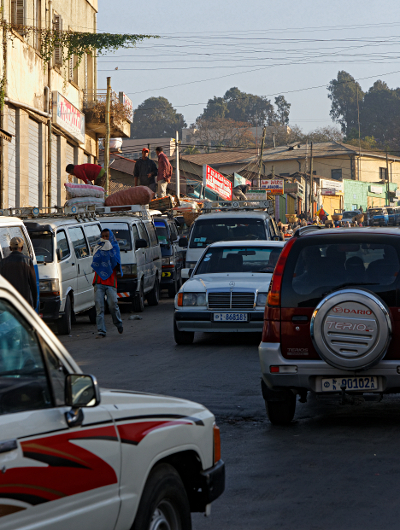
(274, 294)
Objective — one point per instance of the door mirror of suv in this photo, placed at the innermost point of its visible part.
(81, 391)
(59, 254)
(141, 243)
(186, 273)
(277, 238)
(183, 242)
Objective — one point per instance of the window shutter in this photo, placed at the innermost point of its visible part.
(71, 68)
(57, 26)
(18, 14)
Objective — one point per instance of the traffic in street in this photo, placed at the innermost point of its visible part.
(334, 466)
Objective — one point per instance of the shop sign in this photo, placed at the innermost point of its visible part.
(127, 103)
(291, 187)
(273, 186)
(238, 180)
(217, 183)
(332, 185)
(398, 193)
(68, 117)
(327, 191)
(376, 189)
(256, 195)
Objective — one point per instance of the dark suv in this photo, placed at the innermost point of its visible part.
(172, 254)
(332, 320)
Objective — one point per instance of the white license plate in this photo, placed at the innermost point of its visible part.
(230, 317)
(357, 384)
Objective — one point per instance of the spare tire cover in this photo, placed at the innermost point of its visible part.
(351, 329)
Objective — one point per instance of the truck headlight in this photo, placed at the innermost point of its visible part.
(262, 299)
(49, 286)
(169, 262)
(129, 270)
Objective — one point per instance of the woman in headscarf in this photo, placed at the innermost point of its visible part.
(106, 263)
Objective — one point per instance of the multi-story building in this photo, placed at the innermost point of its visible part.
(44, 103)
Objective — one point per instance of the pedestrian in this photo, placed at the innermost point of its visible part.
(145, 171)
(106, 263)
(19, 271)
(89, 173)
(240, 191)
(164, 173)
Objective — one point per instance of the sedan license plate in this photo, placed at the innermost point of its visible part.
(230, 317)
(357, 384)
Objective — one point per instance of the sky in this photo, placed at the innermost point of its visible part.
(262, 47)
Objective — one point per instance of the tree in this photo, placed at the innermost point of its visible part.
(283, 110)
(241, 107)
(156, 118)
(343, 92)
(223, 132)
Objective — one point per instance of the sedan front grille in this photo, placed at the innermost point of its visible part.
(232, 300)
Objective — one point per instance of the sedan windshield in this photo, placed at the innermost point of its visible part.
(239, 259)
(207, 231)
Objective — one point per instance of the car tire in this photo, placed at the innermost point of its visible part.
(138, 301)
(64, 323)
(154, 295)
(281, 412)
(164, 502)
(183, 337)
(92, 315)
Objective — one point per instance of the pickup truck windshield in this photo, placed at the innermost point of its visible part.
(207, 231)
(239, 259)
(122, 234)
(43, 245)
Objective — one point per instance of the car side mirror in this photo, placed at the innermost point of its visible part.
(186, 273)
(183, 242)
(80, 391)
(141, 243)
(59, 254)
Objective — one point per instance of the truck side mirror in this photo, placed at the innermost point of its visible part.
(183, 242)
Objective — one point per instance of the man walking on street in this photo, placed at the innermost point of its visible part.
(89, 173)
(19, 271)
(164, 173)
(106, 263)
(145, 171)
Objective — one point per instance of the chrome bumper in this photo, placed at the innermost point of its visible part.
(309, 372)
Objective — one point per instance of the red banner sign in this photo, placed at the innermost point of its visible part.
(217, 183)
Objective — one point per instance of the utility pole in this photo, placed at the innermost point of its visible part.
(387, 179)
(50, 198)
(312, 183)
(178, 173)
(306, 181)
(261, 156)
(107, 139)
(359, 139)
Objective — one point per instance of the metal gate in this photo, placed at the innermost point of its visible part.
(32, 195)
(54, 172)
(70, 158)
(12, 158)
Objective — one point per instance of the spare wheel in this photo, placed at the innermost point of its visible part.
(351, 329)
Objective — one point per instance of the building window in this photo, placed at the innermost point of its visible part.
(383, 173)
(336, 174)
(57, 26)
(18, 15)
(73, 70)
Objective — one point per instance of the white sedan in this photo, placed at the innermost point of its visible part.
(227, 290)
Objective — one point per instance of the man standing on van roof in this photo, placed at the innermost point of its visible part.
(19, 271)
(89, 173)
(145, 171)
(106, 263)
(164, 173)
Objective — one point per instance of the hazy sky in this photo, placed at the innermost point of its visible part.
(262, 47)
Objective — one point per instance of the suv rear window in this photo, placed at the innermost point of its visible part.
(315, 268)
(207, 231)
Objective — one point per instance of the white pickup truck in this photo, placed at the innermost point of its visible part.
(73, 456)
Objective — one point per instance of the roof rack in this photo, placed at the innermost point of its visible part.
(80, 212)
(224, 206)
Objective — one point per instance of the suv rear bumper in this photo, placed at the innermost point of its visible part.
(309, 372)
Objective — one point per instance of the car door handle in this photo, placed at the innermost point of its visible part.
(79, 269)
(300, 318)
(8, 445)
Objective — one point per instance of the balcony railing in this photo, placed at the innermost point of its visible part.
(94, 107)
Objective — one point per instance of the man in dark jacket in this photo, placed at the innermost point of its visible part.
(19, 271)
(145, 171)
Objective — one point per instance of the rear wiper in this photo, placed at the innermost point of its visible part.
(348, 284)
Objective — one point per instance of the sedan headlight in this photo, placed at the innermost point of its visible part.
(191, 299)
(49, 286)
(262, 299)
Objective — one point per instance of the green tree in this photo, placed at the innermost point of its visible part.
(343, 93)
(216, 108)
(156, 118)
(223, 132)
(283, 110)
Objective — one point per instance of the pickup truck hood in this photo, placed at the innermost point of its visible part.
(250, 281)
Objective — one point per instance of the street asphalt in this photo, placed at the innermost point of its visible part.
(334, 468)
